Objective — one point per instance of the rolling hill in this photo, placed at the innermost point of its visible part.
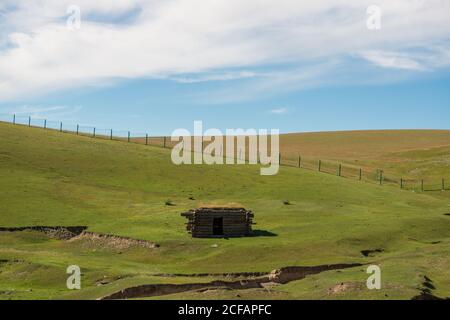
(408, 154)
(118, 189)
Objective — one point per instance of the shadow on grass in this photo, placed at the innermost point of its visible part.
(263, 233)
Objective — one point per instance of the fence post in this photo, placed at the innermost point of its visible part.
(94, 133)
(279, 158)
(360, 174)
(164, 145)
(29, 121)
(45, 123)
(14, 119)
(299, 161)
(60, 127)
(146, 139)
(422, 186)
(381, 177)
(401, 183)
(443, 184)
(340, 170)
(78, 128)
(128, 136)
(320, 165)
(110, 137)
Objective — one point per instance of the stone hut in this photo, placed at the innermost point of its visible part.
(219, 222)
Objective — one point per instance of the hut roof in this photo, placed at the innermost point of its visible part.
(216, 210)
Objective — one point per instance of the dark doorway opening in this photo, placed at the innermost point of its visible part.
(218, 226)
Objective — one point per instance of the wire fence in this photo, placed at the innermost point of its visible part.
(377, 176)
(89, 131)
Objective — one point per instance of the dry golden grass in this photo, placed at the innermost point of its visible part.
(358, 145)
(408, 154)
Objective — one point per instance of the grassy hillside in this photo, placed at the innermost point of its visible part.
(51, 178)
(409, 154)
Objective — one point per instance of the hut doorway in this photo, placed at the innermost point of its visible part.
(218, 226)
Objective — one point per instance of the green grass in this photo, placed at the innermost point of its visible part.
(51, 178)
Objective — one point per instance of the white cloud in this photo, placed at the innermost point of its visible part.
(227, 76)
(45, 112)
(393, 60)
(172, 38)
(279, 111)
(264, 84)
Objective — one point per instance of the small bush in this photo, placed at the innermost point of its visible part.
(169, 203)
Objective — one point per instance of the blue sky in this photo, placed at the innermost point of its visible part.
(160, 106)
(151, 67)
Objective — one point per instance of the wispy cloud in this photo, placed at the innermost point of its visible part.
(277, 80)
(227, 76)
(394, 60)
(279, 111)
(45, 112)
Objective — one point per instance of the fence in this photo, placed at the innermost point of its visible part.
(377, 176)
(90, 131)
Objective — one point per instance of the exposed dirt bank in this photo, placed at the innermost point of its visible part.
(370, 253)
(115, 242)
(79, 233)
(427, 291)
(58, 232)
(213, 275)
(255, 280)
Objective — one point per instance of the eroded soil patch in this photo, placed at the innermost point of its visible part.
(112, 241)
(427, 291)
(344, 287)
(428, 296)
(79, 233)
(370, 253)
(58, 232)
(278, 276)
(212, 275)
